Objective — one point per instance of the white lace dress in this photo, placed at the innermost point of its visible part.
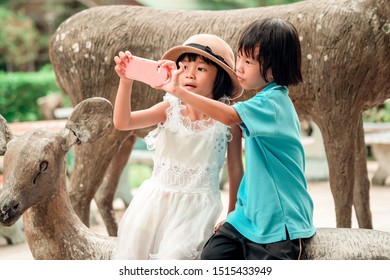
(174, 212)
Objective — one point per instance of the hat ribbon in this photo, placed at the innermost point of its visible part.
(208, 50)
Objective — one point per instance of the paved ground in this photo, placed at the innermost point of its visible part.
(324, 214)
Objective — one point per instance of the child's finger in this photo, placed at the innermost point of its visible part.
(119, 69)
(121, 54)
(129, 56)
(125, 57)
(181, 68)
(168, 63)
(120, 62)
(117, 60)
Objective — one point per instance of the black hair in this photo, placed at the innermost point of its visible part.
(223, 85)
(279, 49)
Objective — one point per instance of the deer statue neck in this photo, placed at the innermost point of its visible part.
(54, 231)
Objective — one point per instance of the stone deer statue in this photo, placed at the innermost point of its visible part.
(345, 63)
(35, 187)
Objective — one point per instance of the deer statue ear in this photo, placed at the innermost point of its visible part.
(91, 119)
(5, 135)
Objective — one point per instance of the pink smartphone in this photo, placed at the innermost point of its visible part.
(146, 71)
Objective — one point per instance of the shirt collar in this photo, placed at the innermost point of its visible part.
(274, 85)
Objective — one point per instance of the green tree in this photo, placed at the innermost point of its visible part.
(19, 40)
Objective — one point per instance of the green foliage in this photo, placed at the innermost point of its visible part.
(3, 2)
(19, 92)
(138, 174)
(378, 114)
(19, 39)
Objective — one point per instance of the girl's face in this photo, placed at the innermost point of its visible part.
(198, 76)
(248, 72)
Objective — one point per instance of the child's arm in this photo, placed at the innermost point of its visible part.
(213, 108)
(235, 168)
(124, 118)
(235, 165)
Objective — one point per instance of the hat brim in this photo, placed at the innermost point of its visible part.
(175, 52)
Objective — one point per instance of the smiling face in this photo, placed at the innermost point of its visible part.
(198, 76)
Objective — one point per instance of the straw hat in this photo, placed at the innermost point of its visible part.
(215, 49)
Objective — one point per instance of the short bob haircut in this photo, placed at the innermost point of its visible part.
(279, 49)
(223, 85)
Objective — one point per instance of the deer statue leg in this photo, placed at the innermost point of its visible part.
(361, 190)
(105, 194)
(91, 163)
(340, 155)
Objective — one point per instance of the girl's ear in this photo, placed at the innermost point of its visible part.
(270, 75)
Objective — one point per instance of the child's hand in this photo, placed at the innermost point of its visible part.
(121, 60)
(173, 80)
(218, 226)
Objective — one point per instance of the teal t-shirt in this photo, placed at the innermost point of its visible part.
(272, 196)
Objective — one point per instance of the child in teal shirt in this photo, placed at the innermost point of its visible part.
(273, 214)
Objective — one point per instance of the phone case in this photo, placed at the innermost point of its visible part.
(146, 71)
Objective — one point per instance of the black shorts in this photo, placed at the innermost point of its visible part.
(228, 244)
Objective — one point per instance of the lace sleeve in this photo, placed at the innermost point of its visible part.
(152, 137)
(173, 100)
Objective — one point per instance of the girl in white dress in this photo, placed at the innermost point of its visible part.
(174, 212)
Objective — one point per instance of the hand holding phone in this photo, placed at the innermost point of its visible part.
(146, 71)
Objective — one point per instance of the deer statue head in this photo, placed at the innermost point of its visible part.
(34, 163)
(35, 184)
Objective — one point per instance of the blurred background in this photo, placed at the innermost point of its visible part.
(27, 82)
